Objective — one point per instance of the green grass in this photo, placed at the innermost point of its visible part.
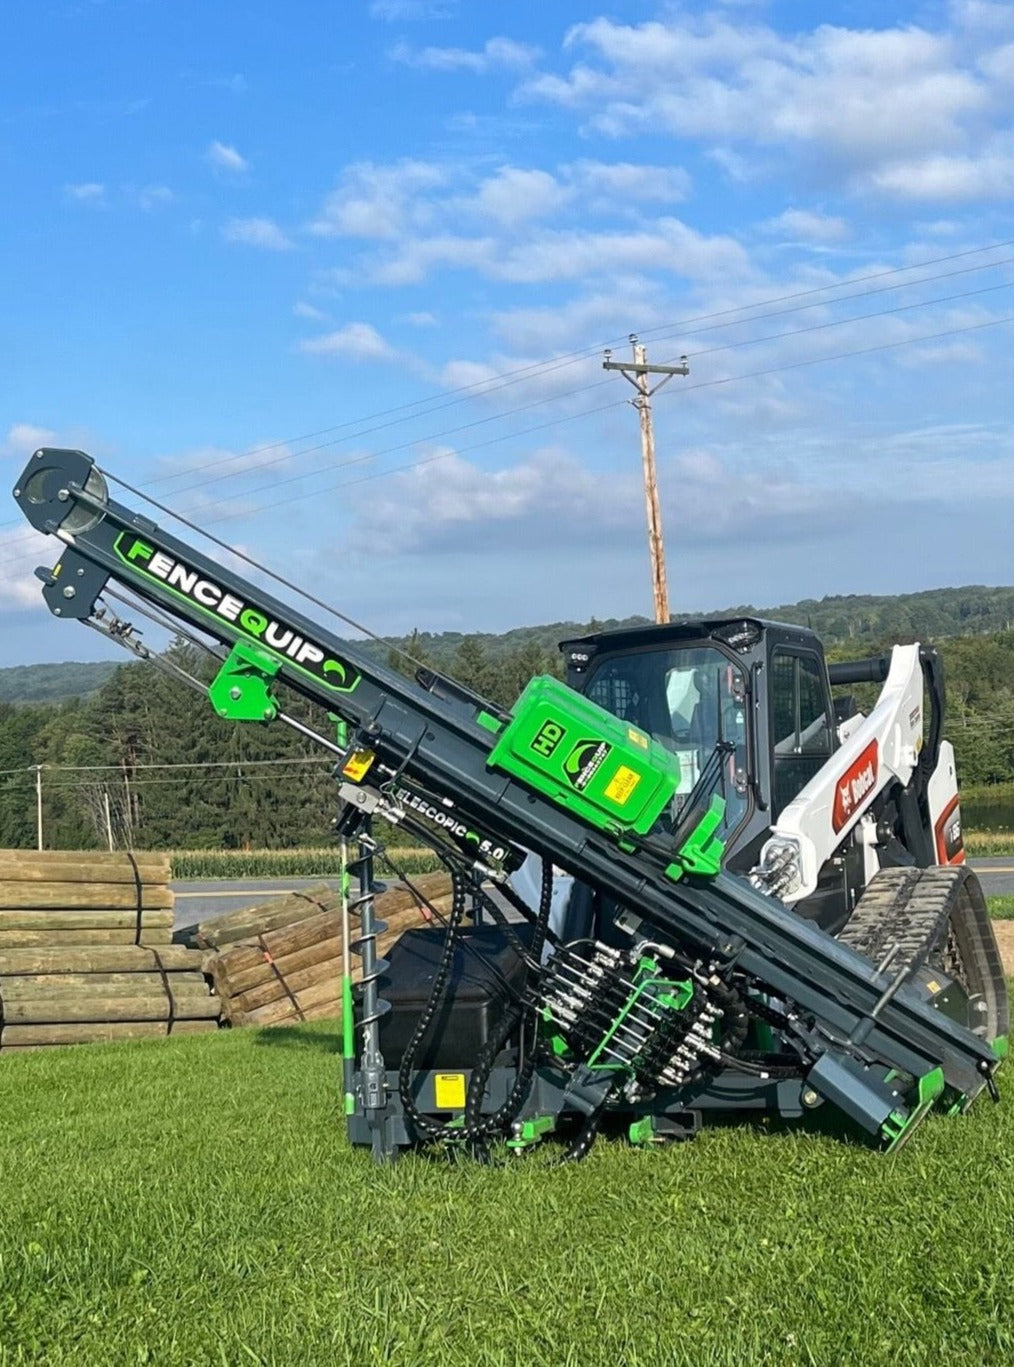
(194, 1202)
(1001, 908)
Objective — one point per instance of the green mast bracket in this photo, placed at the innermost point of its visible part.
(241, 690)
(702, 850)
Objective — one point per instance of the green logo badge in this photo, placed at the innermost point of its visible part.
(584, 761)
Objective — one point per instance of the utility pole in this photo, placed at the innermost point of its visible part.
(637, 372)
(38, 806)
(109, 817)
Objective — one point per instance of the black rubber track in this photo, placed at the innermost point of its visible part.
(938, 917)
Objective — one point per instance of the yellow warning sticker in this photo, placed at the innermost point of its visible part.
(621, 785)
(638, 737)
(358, 764)
(449, 1091)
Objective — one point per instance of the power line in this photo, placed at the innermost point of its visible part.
(142, 765)
(543, 426)
(684, 329)
(687, 327)
(601, 408)
(528, 431)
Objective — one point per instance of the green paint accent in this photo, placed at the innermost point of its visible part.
(642, 1131)
(241, 690)
(954, 1102)
(348, 1020)
(611, 774)
(898, 1126)
(350, 1104)
(659, 992)
(489, 722)
(702, 851)
(556, 1042)
(531, 1131)
(341, 729)
(249, 620)
(1000, 1046)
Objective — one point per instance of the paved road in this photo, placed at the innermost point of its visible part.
(996, 875)
(202, 900)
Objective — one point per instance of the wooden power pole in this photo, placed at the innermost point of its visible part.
(637, 372)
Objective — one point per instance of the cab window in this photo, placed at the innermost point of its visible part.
(687, 699)
(800, 723)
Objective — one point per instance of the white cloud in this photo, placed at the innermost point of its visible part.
(513, 195)
(375, 201)
(552, 500)
(989, 16)
(257, 232)
(416, 199)
(423, 319)
(397, 11)
(806, 226)
(21, 549)
(448, 503)
(88, 192)
(154, 197)
(845, 102)
(602, 311)
(985, 175)
(625, 180)
(225, 158)
(515, 382)
(669, 247)
(357, 341)
(942, 354)
(496, 54)
(23, 438)
(303, 310)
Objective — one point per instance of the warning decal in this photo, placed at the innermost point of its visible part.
(621, 785)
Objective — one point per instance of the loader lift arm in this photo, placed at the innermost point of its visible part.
(871, 1043)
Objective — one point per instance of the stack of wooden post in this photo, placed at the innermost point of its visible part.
(282, 963)
(85, 951)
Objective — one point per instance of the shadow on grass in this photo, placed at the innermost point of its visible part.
(326, 1040)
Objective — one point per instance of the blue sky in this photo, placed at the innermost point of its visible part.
(335, 280)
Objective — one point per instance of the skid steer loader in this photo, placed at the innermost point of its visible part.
(852, 820)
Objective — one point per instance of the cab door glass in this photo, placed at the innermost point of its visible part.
(687, 699)
(800, 723)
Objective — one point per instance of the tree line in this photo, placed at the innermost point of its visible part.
(146, 760)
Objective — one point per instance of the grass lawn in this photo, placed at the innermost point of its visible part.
(194, 1202)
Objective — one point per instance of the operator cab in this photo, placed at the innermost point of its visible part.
(760, 686)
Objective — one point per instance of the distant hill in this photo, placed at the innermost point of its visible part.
(53, 683)
(934, 614)
(840, 618)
